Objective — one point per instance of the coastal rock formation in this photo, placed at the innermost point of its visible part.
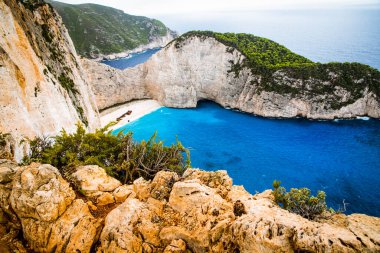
(112, 86)
(201, 68)
(42, 84)
(192, 213)
(197, 68)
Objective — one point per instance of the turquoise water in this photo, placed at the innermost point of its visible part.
(340, 157)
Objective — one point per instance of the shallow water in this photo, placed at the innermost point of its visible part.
(341, 158)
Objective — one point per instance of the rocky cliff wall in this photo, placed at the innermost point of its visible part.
(200, 68)
(41, 80)
(113, 86)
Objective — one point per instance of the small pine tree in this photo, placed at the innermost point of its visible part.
(300, 201)
(121, 156)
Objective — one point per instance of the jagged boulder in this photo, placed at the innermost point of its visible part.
(118, 234)
(52, 219)
(93, 180)
(176, 246)
(7, 172)
(123, 192)
(39, 192)
(9, 224)
(162, 184)
(217, 179)
(268, 228)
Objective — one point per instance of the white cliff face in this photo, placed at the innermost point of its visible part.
(197, 68)
(112, 86)
(32, 100)
(180, 77)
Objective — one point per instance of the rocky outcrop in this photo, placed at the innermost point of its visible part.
(93, 180)
(202, 68)
(37, 201)
(192, 213)
(42, 84)
(112, 86)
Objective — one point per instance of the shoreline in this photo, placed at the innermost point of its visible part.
(138, 108)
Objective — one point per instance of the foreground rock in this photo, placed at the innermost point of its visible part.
(92, 180)
(51, 218)
(198, 212)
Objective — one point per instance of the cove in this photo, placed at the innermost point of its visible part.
(341, 157)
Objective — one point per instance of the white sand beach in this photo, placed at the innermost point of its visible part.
(139, 108)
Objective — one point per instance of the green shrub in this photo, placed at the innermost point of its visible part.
(67, 83)
(300, 201)
(146, 158)
(121, 156)
(37, 147)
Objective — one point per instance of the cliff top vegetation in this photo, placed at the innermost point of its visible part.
(97, 29)
(268, 59)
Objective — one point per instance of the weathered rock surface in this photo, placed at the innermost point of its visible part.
(200, 69)
(51, 218)
(192, 213)
(113, 86)
(42, 83)
(93, 180)
(198, 219)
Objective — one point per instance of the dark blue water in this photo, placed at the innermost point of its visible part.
(341, 158)
(132, 60)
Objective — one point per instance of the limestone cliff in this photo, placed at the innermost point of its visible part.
(193, 68)
(196, 212)
(112, 86)
(42, 84)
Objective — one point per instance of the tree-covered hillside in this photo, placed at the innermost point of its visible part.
(268, 58)
(97, 29)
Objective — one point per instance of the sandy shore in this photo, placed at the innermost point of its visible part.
(139, 108)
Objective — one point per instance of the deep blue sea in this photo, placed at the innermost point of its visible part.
(132, 60)
(340, 157)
